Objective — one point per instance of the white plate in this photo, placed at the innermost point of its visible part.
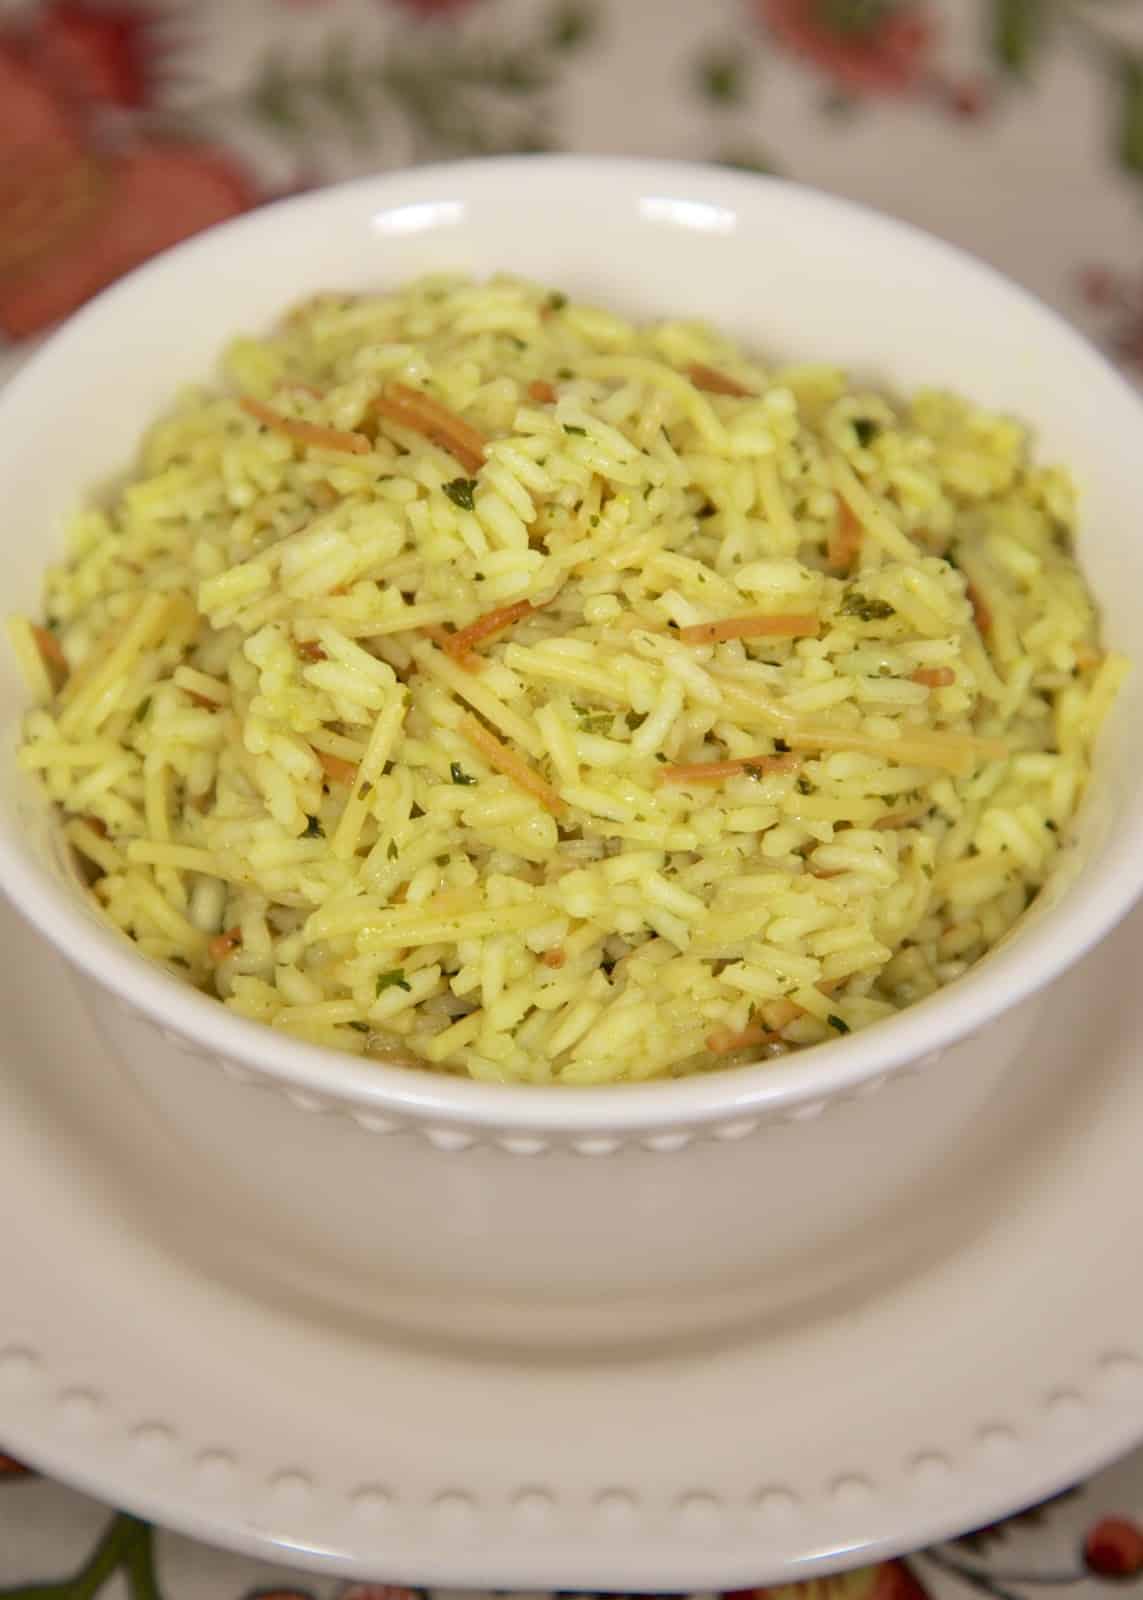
(1002, 1358)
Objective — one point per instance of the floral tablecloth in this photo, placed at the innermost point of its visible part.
(1013, 127)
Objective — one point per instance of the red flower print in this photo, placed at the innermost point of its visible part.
(865, 46)
(101, 53)
(11, 1468)
(1114, 1549)
(31, 116)
(1119, 297)
(279, 1594)
(378, 1591)
(434, 8)
(897, 1581)
(1099, 287)
(969, 98)
(890, 1580)
(43, 172)
(124, 210)
(78, 212)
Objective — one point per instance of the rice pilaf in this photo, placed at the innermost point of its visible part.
(482, 682)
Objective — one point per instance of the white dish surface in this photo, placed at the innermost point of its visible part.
(999, 1360)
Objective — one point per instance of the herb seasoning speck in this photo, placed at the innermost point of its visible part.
(393, 980)
(865, 609)
(460, 491)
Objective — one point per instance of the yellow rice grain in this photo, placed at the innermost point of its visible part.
(474, 864)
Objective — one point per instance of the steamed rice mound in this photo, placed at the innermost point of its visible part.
(478, 681)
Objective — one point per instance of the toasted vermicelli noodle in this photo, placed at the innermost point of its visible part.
(480, 681)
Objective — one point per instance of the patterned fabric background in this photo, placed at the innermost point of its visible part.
(1013, 127)
(56, 1545)
(128, 124)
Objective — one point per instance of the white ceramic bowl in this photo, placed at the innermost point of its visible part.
(477, 1209)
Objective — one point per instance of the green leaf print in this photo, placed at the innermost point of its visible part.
(571, 26)
(125, 1546)
(721, 77)
(747, 160)
(1131, 114)
(1017, 31)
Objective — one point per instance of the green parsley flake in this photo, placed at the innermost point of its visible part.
(314, 829)
(865, 609)
(459, 775)
(460, 492)
(838, 1024)
(393, 980)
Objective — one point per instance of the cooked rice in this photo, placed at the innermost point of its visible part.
(479, 681)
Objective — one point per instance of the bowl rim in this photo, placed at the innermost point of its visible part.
(919, 1034)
